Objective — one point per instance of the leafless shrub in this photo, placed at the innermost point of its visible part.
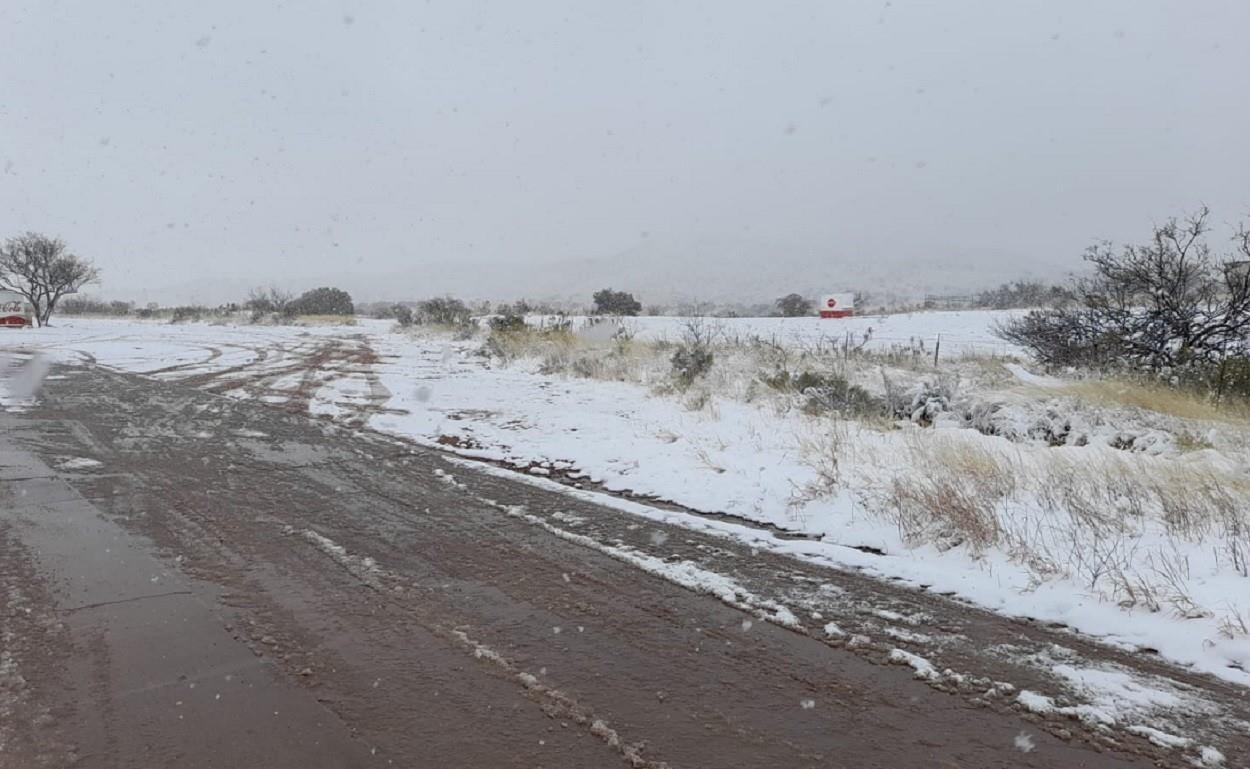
(1164, 305)
(272, 301)
(693, 357)
(1235, 622)
(822, 451)
(1172, 575)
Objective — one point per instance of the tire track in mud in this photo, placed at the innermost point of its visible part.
(313, 365)
(213, 354)
(574, 478)
(286, 375)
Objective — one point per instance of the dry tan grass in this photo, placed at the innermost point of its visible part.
(552, 346)
(1158, 398)
(1118, 523)
(951, 492)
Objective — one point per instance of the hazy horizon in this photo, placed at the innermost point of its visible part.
(718, 150)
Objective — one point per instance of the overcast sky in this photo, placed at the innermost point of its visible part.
(182, 143)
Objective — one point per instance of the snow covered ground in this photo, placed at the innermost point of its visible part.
(1028, 501)
(959, 333)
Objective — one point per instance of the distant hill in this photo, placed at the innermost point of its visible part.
(660, 273)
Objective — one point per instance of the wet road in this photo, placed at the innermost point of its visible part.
(195, 581)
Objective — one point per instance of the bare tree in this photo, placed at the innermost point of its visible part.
(39, 268)
(1163, 305)
(272, 300)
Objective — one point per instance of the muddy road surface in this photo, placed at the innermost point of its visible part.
(195, 581)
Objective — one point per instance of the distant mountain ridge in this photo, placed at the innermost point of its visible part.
(658, 273)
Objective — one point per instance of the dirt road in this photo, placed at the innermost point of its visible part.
(195, 581)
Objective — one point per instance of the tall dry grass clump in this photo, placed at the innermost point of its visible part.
(951, 492)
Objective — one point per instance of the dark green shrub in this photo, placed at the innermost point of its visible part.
(691, 361)
(825, 393)
(508, 322)
(609, 302)
(322, 301)
(184, 314)
(444, 310)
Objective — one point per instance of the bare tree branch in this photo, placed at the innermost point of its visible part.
(1163, 306)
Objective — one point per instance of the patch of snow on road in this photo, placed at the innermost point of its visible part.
(684, 573)
(559, 702)
(79, 463)
(923, 668)
(900, 634)
(1160, 738)
(363, 568)
(1036, 703)
(1120, 695)
(1109, 697)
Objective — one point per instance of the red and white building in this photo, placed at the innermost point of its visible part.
(15, 311)
(837, 306)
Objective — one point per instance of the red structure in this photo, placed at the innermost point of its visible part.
(14, 312)
(837, 306)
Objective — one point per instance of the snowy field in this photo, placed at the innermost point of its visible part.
(959, 333)
(1009, 490)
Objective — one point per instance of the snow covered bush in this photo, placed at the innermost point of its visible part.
(825, 393)
(508, 322)
(922, 402)
(691, 361)
(693, 357)
(443, 311)
(187, 313)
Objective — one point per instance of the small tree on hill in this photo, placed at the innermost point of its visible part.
(793, 306)
(445, 311)
(609, 302)
(39, 268)
(324, 301)
(1022, 294)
